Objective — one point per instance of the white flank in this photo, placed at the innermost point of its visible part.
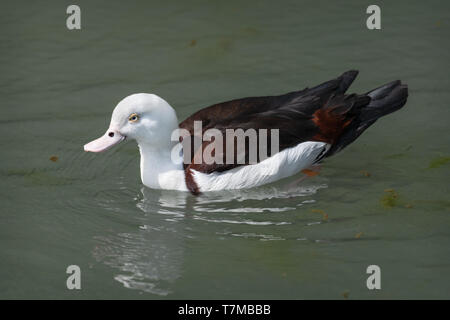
(284, 164)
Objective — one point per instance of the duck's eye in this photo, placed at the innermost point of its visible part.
(133, 117)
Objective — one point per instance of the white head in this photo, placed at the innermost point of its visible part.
(144, 117)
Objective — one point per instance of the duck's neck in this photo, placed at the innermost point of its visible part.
(161, 168)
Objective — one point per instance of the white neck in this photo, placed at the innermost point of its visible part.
(159, 170)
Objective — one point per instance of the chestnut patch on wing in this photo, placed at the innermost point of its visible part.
(330, 124)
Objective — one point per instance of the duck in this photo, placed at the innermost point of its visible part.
(301, 129)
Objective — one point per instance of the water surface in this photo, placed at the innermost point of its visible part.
(384, 200)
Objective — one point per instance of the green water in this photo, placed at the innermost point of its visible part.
(383, 201)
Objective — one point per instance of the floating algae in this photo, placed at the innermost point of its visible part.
(365, 173)
(324, 215)
(390, 199)
(40, 177)
(358, 235)
(438, 162)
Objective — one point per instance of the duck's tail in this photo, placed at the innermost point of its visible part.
(383, 100)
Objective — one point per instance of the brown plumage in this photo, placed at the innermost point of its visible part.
(323, 113)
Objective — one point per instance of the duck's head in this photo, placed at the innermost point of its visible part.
(147, 118)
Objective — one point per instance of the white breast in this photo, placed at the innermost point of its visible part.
(284, 164)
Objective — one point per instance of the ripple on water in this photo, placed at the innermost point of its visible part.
(150, 257)
(249, 207)
(149, 260)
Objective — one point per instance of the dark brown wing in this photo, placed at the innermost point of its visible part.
(247, 106)
(317, 114)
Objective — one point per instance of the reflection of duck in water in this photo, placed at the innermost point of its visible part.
(149, 259)
(312, 124)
